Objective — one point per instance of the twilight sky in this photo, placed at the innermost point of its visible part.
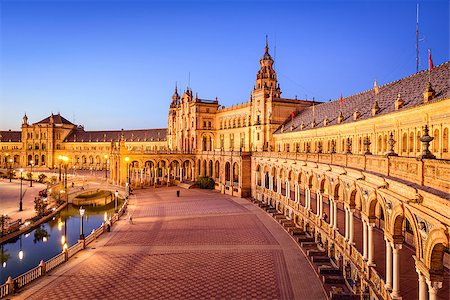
(113, 64)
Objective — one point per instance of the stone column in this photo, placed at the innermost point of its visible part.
(364, 228)
(433, 288)
(388, 264)
(271, 183)
(308, 198)
(346, 222)
(193, 174)
(351, 231)
(321, 205)
(256, 178)
(263, 181)
(335, 214)
(318, 204)
(396, 270)
(330, 199)
(288, 189)
(371, 245)
(423, 289)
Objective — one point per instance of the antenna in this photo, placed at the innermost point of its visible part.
(417, 38)
(275, 50)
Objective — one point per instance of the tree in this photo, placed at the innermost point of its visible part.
(41, 178)
(205, 182)
(39, 206)
(4, 221)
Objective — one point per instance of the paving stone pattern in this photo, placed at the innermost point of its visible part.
(202, 245)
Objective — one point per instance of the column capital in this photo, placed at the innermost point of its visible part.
(434, 285)
(396, 247)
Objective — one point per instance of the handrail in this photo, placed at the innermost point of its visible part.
(11, 285)
(55, 261)
(418, 171)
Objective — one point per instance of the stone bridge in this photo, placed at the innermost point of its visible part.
(93, 187)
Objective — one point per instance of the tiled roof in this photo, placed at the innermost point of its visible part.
(57, 119)
(410, 89)
(114, 135)
(10, 136)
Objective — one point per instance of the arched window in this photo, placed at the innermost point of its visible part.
(411, 142)
(445, 140)
(436, 140)
(404, 142)
(217, 170)
(236, 173)
(227, 171)
(418, 146)
(43, 160)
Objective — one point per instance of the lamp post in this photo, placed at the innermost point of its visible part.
(127, 159)
(31, 171)
(116, 195)
(82, 210)
(60, 161)
(106, 167)
(10, 169)
(20, 202)
(64, 160)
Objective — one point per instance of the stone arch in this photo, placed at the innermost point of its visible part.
(399, 215)
(434, 249)
(217, 169)
(321, 184)
(236, 173)
(227, 171)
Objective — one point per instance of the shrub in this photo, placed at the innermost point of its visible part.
(41, 178)
(205, 182)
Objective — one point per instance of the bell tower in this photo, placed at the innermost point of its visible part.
(173, 120)
(265, 92)
(266, 78)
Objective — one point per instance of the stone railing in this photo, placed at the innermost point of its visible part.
(44, 267)
(55, 261)
(434, 173)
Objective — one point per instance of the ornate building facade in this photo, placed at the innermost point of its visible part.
(367, 176)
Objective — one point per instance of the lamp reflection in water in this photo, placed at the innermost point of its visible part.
(20, 251)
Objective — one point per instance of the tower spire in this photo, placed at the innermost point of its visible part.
(267, 44)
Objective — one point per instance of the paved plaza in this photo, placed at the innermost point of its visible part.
(10, 197)
(203, 245)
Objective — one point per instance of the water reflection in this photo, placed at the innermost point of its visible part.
(49, 239)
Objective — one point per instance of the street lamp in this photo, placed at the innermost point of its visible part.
(82, 210)
(20, 202)
(31, 165)
(106, 167)
(127, 159)
(60, 158)
(10, 168)
(116, 194)
(65, 159)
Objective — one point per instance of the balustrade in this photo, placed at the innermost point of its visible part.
(7, 288)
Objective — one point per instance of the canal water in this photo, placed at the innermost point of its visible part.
(44, 242)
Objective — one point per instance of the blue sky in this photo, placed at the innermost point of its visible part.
(114, 64)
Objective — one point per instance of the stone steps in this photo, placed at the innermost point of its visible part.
(320, 259)
(344, 296)
(333, 279)
(314, 252)
(328, 270)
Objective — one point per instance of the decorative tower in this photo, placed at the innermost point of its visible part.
(172, 120)
(266, 78)
(263, 113)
